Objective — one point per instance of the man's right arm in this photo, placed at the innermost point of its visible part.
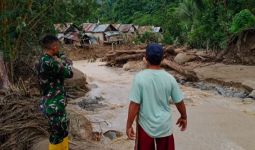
(61, 69)
(182, 121)
(177, 98)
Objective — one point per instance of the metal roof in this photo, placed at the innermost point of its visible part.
(60, 35)
(112, 33)
(72, 36)
(88, 27)
(116, 26)
(157, 29)
(126, 27)
(103, 28)
(62, 27)
(72, 28)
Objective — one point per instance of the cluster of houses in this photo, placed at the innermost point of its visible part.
(92, 33)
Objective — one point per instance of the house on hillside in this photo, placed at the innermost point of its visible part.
(113, 37)
(128, 31)
(105, 33)
(116, 26)
(72, 35)
(88, 28)
(72, 38)
(62, 27)
(72, 28)
(137, 27)
(127, 28)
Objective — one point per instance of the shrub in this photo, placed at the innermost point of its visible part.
(242, 20)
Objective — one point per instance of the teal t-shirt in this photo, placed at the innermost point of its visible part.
(153, 90)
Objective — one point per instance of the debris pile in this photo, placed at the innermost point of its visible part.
(21, 121)
(174, 58)
(120, 57)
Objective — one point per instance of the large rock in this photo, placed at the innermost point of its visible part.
(78, 80)
(79, 127)
(182, 58)
(252, 94)
(134, 66)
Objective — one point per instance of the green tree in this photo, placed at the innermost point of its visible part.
(242, 21)
(22, 23)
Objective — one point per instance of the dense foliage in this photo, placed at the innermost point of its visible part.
(24, 22)
(198, 23)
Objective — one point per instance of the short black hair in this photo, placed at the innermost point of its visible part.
(154, 54)
(48, 40)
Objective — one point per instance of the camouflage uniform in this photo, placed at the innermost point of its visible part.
(51, 74)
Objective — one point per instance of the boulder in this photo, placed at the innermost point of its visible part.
(78, 80)
(134, 66)
(247, 100)
(79, 127)
(182, 58)
(252, 94)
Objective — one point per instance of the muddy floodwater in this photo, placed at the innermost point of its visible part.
(215, 122)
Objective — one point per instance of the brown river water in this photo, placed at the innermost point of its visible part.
(215, 122)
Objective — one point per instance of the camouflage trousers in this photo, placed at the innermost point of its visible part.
(54, 110)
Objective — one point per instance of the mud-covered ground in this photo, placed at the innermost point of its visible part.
(215, 121)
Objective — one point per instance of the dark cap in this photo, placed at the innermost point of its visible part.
(154, 54)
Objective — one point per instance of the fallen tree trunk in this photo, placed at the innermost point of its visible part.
(129, 51)
(190, 75)
(4, 81)
(129, 57)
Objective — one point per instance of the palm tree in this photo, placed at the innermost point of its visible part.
(188, 10)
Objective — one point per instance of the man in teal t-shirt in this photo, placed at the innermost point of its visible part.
(150, 96)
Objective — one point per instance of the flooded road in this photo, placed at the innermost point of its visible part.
(214, 122)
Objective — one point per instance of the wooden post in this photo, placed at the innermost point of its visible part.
(4, 81)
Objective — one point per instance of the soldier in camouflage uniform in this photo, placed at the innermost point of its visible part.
(53, 68)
